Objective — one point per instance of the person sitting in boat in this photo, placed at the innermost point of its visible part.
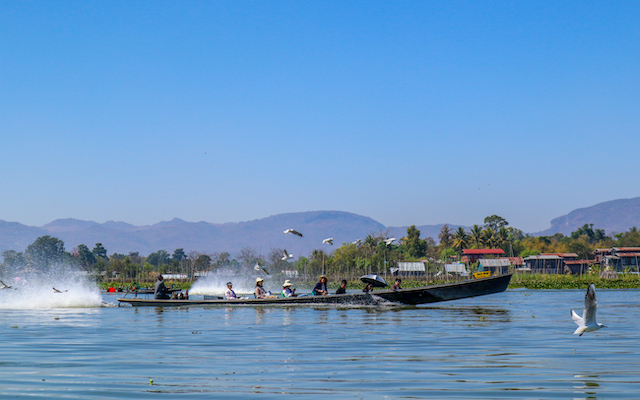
(368, 288)
(286, 289)
(397, 284)
(343, 287)
(321, 287)
(260, 292)
(229, 294)
(161, 291)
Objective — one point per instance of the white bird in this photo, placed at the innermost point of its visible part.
(259, 267)
(59, 291)
(328, 240)
(357, 242)
(587, 323)
(389, 241)
(286, 255)
(293, 232)
(4, 286)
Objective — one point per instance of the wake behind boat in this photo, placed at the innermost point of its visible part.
(412, 296)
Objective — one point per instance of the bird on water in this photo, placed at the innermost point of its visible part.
(587, 323)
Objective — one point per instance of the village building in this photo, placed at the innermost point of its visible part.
(497, 266)
(619, 258)
(408, 268)
(551, 263)
(472, 255)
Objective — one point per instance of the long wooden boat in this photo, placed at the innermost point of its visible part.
(412, 296)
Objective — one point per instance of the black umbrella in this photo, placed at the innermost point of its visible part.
(375, 280)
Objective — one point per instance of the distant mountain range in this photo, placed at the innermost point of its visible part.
(612, 216)
(267, 233)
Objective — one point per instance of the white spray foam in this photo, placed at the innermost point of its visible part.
(37, 292)
(216, 283)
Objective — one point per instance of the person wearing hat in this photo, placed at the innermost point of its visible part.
(160, 290)
(321, 287)
(260, 292)
(286, 289)
(229, 294)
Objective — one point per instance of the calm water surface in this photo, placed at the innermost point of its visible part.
(517, 344)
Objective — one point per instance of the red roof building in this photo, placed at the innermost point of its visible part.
(473, 255)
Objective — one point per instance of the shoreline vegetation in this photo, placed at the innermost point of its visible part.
(377, 253)
(518, 281)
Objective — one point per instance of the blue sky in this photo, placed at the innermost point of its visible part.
(409, 112)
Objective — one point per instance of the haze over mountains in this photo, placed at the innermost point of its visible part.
(267, 233)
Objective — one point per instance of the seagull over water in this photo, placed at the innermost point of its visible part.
(587, 323)
(286, 255)
(328, 240)
(4, 286)
(293, 232)
(59, 291)
(259, 267)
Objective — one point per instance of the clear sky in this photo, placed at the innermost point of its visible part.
(408, 112)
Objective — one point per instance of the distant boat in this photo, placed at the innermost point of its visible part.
(411, 296)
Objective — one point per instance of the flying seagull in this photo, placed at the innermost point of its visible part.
(286, 255)
(259, 267)
(4, 286)
(389, 241)
(328, 240)
(293, 232)
(59, 291)
(587, 323)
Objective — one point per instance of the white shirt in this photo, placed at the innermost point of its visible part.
(286, 292)
(230, 294)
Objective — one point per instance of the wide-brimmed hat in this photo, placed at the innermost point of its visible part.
(286, 283)
(259, 280)
(323, 276)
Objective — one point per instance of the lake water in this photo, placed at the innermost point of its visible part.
(517, 344)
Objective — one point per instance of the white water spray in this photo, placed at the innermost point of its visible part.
(36, 291)
(216, 283)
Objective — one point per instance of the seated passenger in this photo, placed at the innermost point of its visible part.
(368, 288)
(321, 287)
(343, 287)
(286, 289)
(260, 292)
(397, 284)
(229, 293)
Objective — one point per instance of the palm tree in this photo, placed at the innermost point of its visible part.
(477, 236)
(502, 237)
(489, 237)
(461, 239)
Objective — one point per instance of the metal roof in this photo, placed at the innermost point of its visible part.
(410, 266)
(500, 262)
(630, 254)
(482, 251)
(563, 255)
(578, 262)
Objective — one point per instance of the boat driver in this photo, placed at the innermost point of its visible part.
(161, 292)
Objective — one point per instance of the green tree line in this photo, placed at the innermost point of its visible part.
(376, 253)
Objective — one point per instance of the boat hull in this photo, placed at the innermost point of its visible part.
(413, 296)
